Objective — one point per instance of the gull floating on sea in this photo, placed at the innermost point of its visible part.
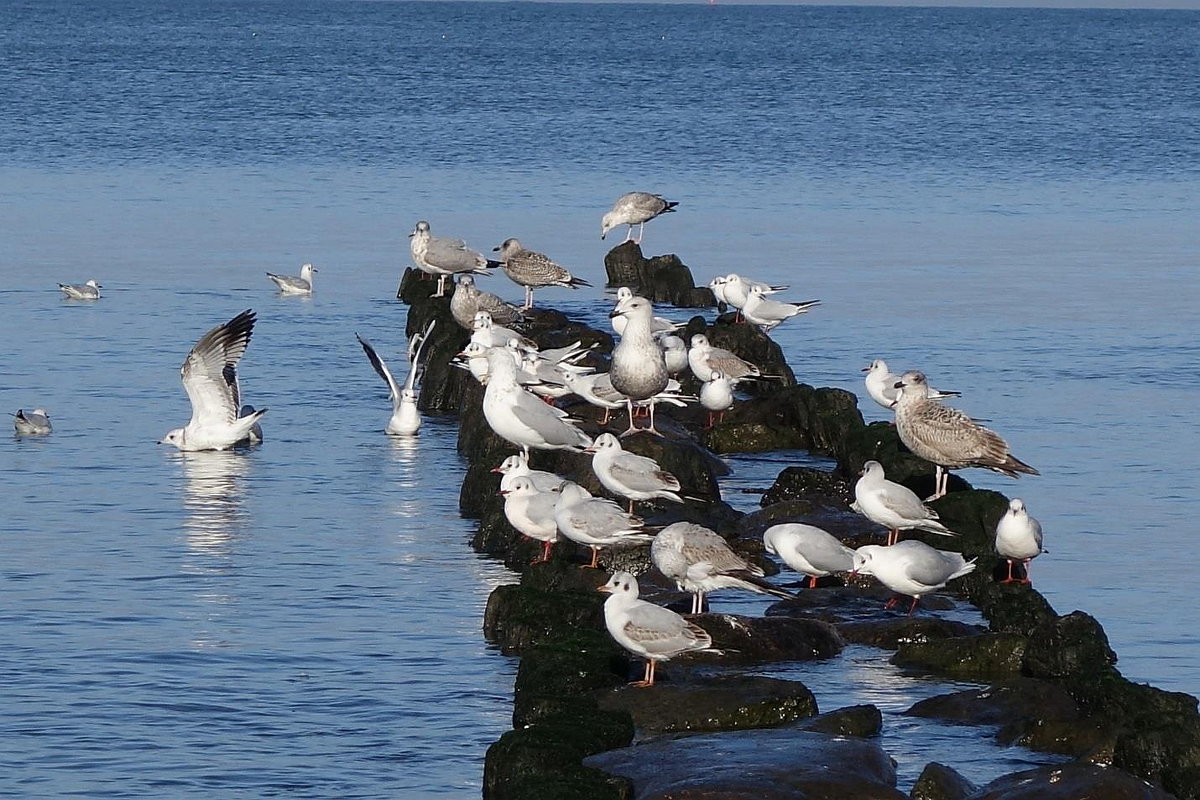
(910, 568)
(635, 208)
(808, 550)
(1018, 538)
(881, 385)
(405, 419)
(892, 505)
(85, 291)
(289, 284)
(32, 423)
(646, 630)
(947, 437)
(441, 257)
(629, 475)
(467, 300)
(209, 375)
(700, 561)
(533, 270)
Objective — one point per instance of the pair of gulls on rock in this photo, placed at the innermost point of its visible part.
(751, 300)
(81, 291)
(301, 285)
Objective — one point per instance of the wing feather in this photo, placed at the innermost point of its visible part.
(209, 372)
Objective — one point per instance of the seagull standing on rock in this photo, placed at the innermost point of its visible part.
(716, 395)
(595, 521)
(531, 512)
(442, 257)
(808, 549)
(638, 369)
(947, 437)
(519, 417)
(910, 568)
(635, 208)
(766, 313)
(532, 269)
(1018, 538)
(892, 505)
(629, 475)
(468, 300)
(699, 561)
(881, 385)
(646, 630)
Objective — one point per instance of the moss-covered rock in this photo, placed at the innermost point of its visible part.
(984, 657)
(796, 417)
(519, 616)
(939, 782)
(542, 760)
(712, 704)
(756, 639)
(661, 279)
(1002, 704)
(810, 485)
(913, 632)
(863, 721)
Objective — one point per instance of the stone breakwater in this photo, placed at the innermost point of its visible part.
(1053, 681)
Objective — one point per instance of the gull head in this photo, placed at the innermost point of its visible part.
(421, 229)
(720, 280)
(605, 441)
(912, 378)
(481, 321)
(876, 366)
(1016, 505)
(621, 584)
(175, 437)
(862, 559)
(507, 247)
(699, 340)
(633, 305)
(872, 468)
(508, 465)
(93, 284)
(467, 281)
(607, 223)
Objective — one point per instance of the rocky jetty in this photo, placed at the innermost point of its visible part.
(709, 728)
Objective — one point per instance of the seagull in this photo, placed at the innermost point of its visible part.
(86, 291)
(717, 286)
(489, 334)
(519, 416)
(255, 435)
(881, 385)
(635, 208)
(699, 561)
(658, 325)
(468, 300)
(532, 269)
(531, 512)
(716, 395)
(596, 389)
(646, 630)
(517, 466)
(675, 352)
(638, 369)
(892, 505)
(437, 256)
(808, 550)
(594, 521)
(1018, 538)
(32, 423)
(736, 291)
(704, 360)
(629, 475)
(947, 437)
(298, 286)
(405, 419)
(910, 568)
(209, 375)
(767, 313)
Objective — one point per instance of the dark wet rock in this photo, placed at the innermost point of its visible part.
(812, 485)
(795, 417)
(859, 615)
(1087, 739)
(661, 279)
(564, 673)
(755, 639)
(771, 764)
(1070, 646)
(902, 632)
(712, 704)
(1074, 781)
(542, 760)
(519, 616)
(1001, 704)
(862, 721)
(984, 657)
(939, 782)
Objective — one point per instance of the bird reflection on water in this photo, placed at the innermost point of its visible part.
(213, 494)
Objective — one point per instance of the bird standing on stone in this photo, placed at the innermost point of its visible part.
(467, 300)
(766, 313)
(595, 521)
(704, 359)
(289, 284)
(699, 561)
(736, 291)
(910, 568)
(892, 505)
(947, 437)
(531, 512)
(1018, 538)
(808, 550)
(84, 291)
(209, 376)
(519, 417)
(881, 385)
(441, 257)
(638, 369)
(532, 269)
(517, 466)
(659, 325)
(646, 630)
(716, 395)
(635, 208)
(629, 475)
(32, 423)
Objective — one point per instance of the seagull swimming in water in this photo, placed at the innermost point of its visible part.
(405, 419)
(209, 376)
(289, 284)
(85, 291)
(32, 423)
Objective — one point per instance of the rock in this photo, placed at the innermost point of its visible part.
(754, 639)
(543, 761)
(661, 279)
(1069, 782)
(899, 632)
(563, 674)
(518, 616)
(880, 442)
(713, 704)
(796, 417)
(983, 657)
(771, 764)
(1001, 704)
(1070, 646)
(939, 782)
(863, 721)
(812, 485)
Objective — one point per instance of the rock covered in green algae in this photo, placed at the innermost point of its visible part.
(519, 616)
(863, 721)
(770, 764)
(1074, 781)
(661, 279)
(543, 761)
(757, 639)
(792, 418)
(1002, 704)
(1072, 646)
(984, 656)
(939, 782)
(712, 704)
(811, 485)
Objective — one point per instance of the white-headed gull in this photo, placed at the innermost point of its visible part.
(910, 568)
(290, 284)
(892, 505)
(1018, 538)
(808, 550)
(635, 208)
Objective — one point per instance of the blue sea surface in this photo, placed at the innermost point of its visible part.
(1005, 198)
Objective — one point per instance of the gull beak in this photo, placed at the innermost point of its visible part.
(865, 369)
(615, 313)
(496, 470)
(496, 249)
(899, 385)
(590, 450)
(414, 233)
(503, 492)
(604, 589)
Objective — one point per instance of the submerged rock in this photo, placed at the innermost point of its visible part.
(863, 721)
(712, 704)
(769, 764)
